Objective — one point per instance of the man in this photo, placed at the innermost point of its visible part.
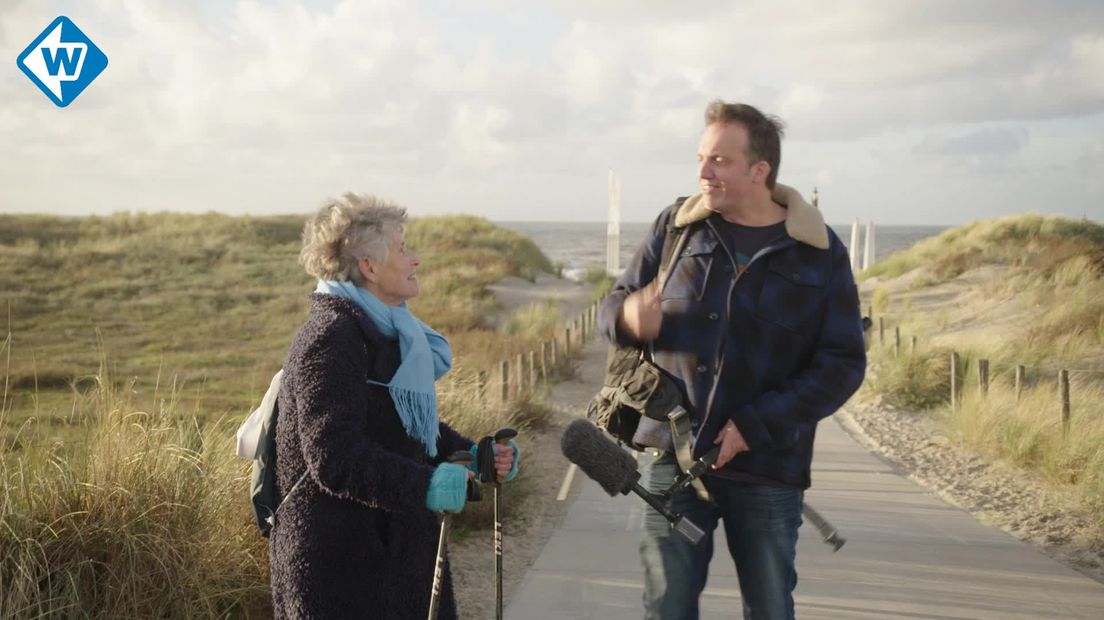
(759, 323)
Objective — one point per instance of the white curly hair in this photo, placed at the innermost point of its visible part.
(345, 230)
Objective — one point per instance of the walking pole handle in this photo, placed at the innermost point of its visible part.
(505, 434)
(465, 458)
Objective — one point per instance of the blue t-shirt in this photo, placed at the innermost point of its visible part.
(745, 241)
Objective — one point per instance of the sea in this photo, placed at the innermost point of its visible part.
(580, 245)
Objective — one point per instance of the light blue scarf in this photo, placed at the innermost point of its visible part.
(425, 356)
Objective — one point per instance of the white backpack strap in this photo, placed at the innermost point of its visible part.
(249, 433)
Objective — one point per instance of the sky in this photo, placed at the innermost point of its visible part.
(900, 113)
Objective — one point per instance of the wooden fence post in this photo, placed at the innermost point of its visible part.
(912, 346)
(504, 372)
(481, 382)
(532, 369)
(1019, 381)
(520, 379)
(983, 377)
(954, 381)
(555, 345)
(544, 361)
(881, 330)
(1064, 393)
(897, 341)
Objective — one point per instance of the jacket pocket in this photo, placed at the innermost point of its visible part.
(792, 296)
(691, 269)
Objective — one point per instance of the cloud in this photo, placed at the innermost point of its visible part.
(257, 106)
(989, 142)
(1090, 162)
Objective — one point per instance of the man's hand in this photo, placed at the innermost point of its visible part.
(732, 443)
(641, 314)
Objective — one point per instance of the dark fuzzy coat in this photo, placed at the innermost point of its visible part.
(355, 540)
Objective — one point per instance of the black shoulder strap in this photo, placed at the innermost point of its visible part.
(667, 262)
(671, 250)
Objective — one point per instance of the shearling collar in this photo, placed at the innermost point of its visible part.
(803, 221)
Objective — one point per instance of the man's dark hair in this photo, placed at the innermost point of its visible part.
(764, 132)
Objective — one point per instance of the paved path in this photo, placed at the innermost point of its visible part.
(908, 555)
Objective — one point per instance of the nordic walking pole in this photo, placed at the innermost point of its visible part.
(464, 458)
(501, 437)
(488, 474)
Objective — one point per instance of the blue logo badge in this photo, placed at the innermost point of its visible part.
(62, 61)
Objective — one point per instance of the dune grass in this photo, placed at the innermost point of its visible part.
(136, 344)
(920, 381)
(1029, 433)
(1051, 287)
(145, 518)
(210, 300)
(1036, 241)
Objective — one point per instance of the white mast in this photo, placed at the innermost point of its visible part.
(853, 249)
(613, 225)
(868, 250)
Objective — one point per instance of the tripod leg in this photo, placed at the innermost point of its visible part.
(828, 532)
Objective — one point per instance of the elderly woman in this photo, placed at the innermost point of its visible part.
(360, 451)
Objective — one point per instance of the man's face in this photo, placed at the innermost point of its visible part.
(724, 173)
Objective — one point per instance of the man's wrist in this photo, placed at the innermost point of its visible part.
(621, 325)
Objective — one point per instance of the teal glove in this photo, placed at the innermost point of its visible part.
(448, 488)
(474, 465)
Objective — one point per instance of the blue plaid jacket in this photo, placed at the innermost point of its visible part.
(775, 349)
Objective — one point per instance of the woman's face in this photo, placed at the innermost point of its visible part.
(394, 280)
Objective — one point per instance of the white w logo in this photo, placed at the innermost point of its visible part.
(57, 62)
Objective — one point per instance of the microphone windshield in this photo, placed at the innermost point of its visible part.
(599, 457)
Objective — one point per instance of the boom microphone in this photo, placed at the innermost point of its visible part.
(614, 470)
(599, 458)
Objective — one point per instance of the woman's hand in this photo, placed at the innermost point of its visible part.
(505, 459)
(448, 488)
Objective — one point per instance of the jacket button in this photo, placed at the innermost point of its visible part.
(796, 276)
(702, 368)
(713, 316)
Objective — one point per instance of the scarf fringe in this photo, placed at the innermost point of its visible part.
(418, 412)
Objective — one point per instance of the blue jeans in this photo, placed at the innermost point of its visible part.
(761, 525)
